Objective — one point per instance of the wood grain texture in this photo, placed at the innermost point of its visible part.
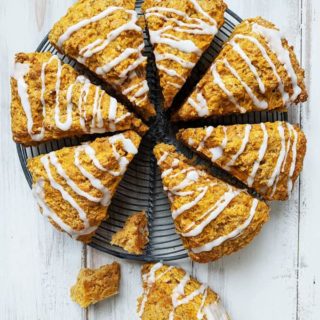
(277, 277)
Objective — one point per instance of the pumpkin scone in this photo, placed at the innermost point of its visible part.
(106, 36)
(212, 217)
(267, 157)
(256, 70)
(134, 236)
(171, 293)
(180, 31)
(50, 100)
(74, 186)
(94, 285)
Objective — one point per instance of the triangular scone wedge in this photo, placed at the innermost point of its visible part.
(212, 217)
(134, 236)
(106, 37)
(171, 293)
(256, 70)
(267, 157)
(180, 31)
(50, 100)
(74, 186)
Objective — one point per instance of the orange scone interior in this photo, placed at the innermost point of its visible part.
(213, 218)
(74, 186)
(50, 100)
(267, 157)
(171, 293)
(134, 236)
(94, 285)
(180, 31)
(106, 36)
(256, 70)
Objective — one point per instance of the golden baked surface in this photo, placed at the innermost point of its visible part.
(106, 37)
(74, 186)
(213, 218)
(256, 70)
(194, 23)
(267, 157)
(134, 236)
(51, 101)
(96, 285)
(170, 293)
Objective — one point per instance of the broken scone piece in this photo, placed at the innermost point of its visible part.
(171, 293)
(134, 236)
(94, 285)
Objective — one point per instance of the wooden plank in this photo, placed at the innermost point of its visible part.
(259, 282)
(309, 259)
(38, 264)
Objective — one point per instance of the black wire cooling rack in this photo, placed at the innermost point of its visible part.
(141, 187)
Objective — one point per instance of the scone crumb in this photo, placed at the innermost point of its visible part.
(134, 236)
(94, 285)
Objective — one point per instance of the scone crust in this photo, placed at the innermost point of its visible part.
(89, 34)
(94, 285)
(134, 236)
(242, 169)
(235, 214)
(217, 100)
(95, 211)
(156, 301)
(155, 22)
(85, 98)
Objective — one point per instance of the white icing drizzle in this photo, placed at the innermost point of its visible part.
(285, 96)
(260, 104)
(96, 183)
(232, 235)
(191, 178)
(116, 61)
(200, 313)
(55, 162)
(113, 113)
(203, 191)
(211, 214)
(151, 278)
(277, 169)
(242, 148)
(84, 93)
(87, 229)
(217, 152)
(219, 82)
(294, 158)
(274, 39)
(169, 56)
(236, 47)
(171, 72)
(216, 311)
(39, 195)
(179, 291)
(163, 158)
(176, 85)
(262, 152)
(20, 71)
(200, 105)
(97, 127)
(209, 131)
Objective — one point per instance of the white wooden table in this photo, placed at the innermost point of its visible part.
(275, 278)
